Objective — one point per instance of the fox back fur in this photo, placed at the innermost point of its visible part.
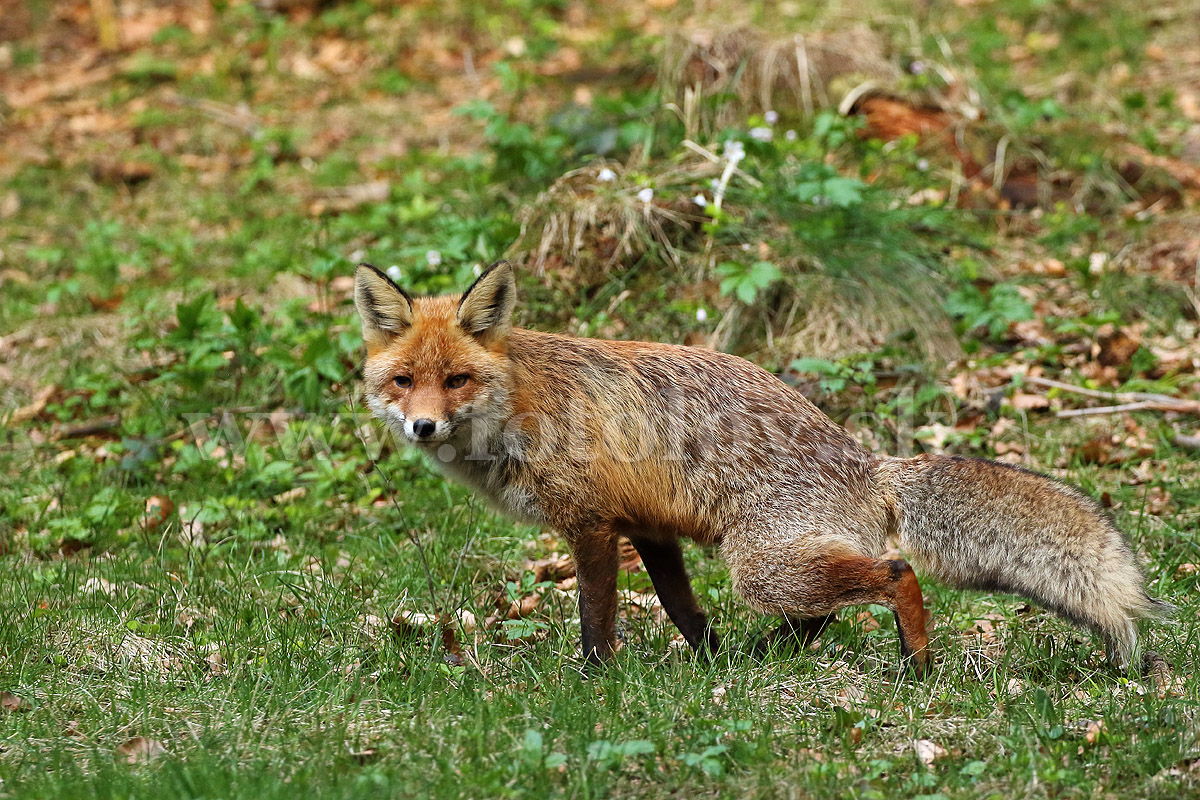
(598, 439)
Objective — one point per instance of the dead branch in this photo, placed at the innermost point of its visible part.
(1186, 442)
(1144, 401)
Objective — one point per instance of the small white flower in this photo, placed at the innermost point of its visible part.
(393, 272)
(791, 136)
(715, 183)
(771, 117)
(761, 134)
(477, 269)
(735, 151)
(700, 200)
(606, 175)
(357, 256)
(701, 315)
(923, 165)
(746, 246)
(646, 195)
(433, 258)
(917, 67)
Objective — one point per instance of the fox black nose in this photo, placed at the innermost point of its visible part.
(424, 428)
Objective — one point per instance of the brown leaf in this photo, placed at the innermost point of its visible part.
(10, 702)
(110, 303)
(454, 654)
(1114, 347)
(215, 662)
(129, 173)
(158, 511)
(523, 607)
(1166, 683)
(140, 750)
(35, 408)
(1023, 401)
(1098, 450)
(554, 568)
(348, 198)
(10, 204)
(928, 751)
(866, 620)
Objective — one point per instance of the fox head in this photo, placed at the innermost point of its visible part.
(436, 365)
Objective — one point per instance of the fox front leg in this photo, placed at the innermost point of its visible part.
(596, 563)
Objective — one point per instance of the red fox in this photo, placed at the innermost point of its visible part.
(655, 442)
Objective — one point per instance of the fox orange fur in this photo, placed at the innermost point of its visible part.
(656, 442)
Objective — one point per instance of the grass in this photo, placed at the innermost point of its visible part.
(204, 541)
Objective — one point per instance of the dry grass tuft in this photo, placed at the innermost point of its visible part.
(762, 72)
(582, 227)
(842, 316)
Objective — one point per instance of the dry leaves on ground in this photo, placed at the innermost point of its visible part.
(141, 750)
(10, 702)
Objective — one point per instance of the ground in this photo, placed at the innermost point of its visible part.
(954, 231)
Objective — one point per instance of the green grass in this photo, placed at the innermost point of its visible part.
(247, 630)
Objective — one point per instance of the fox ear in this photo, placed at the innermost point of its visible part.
(486, 308)
(385, 308)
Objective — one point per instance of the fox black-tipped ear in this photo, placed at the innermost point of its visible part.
(385, 308)
(486, 308)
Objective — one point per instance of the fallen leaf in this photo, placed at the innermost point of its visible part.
(139, 749)
(1166, 683)
(866, 620)
(1114, 347)
(129, 173)
(1023, 401)
(928, 752)
(523, 607)
(158, 510)
(35, 408)
(454, 654)
(10, 204)
(215, 662)
(98, 585)
(554, 568)
(10, 702)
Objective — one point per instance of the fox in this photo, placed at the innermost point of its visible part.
(658, 443)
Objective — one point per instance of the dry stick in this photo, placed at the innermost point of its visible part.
(244, 121)
(1141, 405)
(1145, 400)
(1186, 442)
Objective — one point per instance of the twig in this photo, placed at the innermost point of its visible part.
(1186, 442)
(242, 119)
(1141, 405)
(90, 428)
(1144, 400)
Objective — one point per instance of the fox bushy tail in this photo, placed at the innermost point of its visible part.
(979, 524)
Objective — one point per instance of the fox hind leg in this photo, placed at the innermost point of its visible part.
(817, 584)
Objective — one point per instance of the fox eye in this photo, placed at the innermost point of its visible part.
(403, 381)
(457, 381)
